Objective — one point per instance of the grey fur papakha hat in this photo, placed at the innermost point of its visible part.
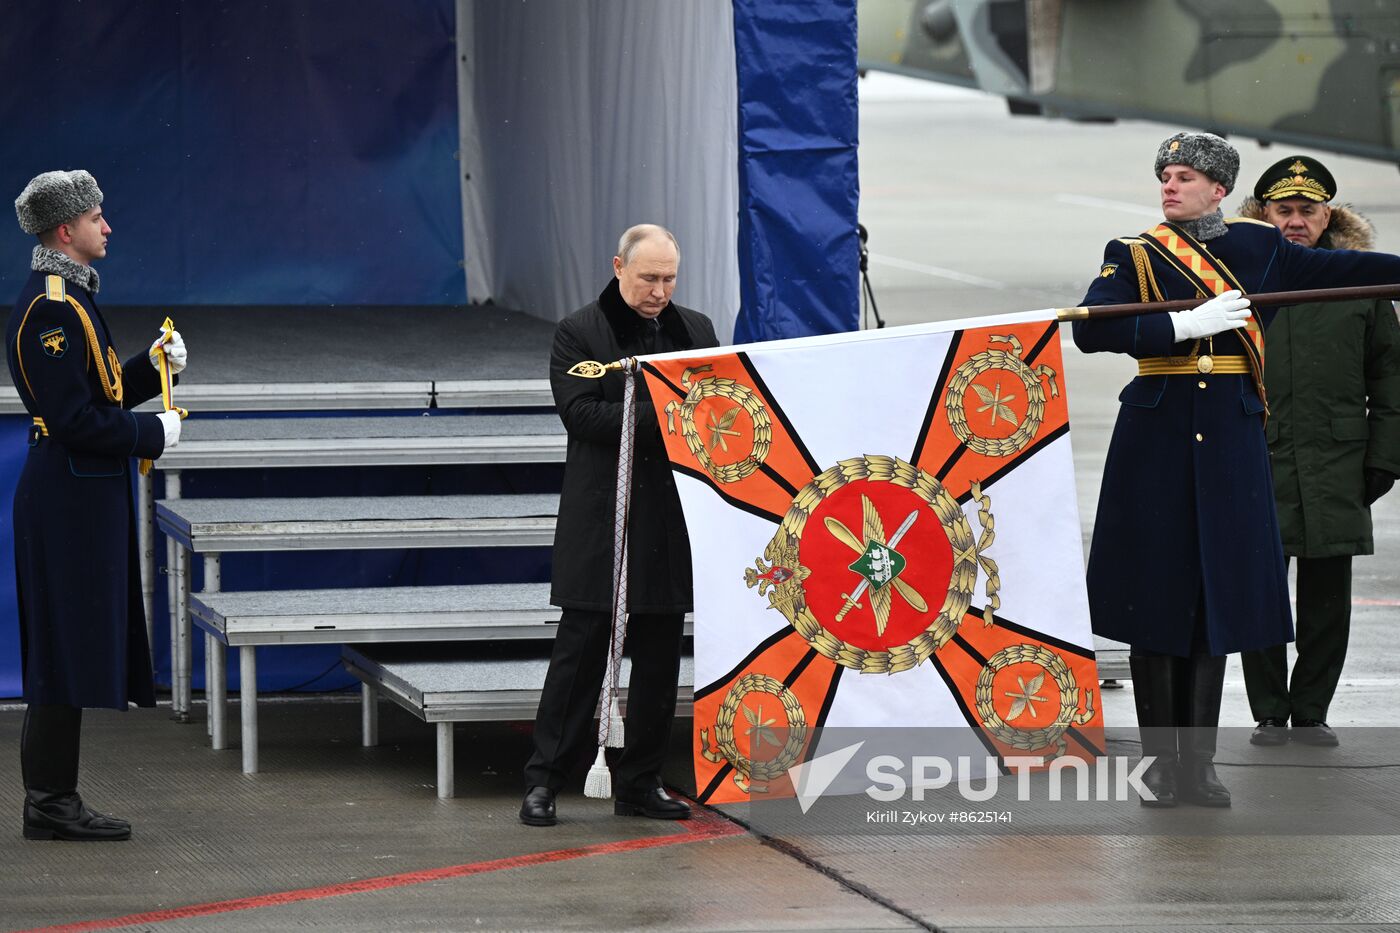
(54, 198)
(1205, 152)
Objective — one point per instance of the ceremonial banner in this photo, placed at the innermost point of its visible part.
(885, 534)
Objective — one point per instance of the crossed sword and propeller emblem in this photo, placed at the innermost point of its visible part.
(878, 564)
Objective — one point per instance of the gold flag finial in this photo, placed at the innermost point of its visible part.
(592, 369)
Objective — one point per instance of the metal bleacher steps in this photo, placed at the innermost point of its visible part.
(458, 684)
(217, 526)
(271, 442)
(365, 441)
(408, 613)
(213, 527)
(495, 613)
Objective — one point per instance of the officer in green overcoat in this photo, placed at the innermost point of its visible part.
(1333, 379)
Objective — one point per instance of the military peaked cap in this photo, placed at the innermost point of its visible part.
(1296, 176)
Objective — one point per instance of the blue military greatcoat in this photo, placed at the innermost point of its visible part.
(82, 623)
(1186, 519)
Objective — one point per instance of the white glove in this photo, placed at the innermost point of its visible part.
(1223, 312)
(170, 422)
(175, 353)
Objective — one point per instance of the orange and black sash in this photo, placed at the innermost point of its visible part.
(1209, 276)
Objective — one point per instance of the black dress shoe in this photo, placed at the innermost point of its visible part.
(66, 817)
(1271, 731)
(1201, 785)
(1314, 732)
(538, 807)
(653, 802)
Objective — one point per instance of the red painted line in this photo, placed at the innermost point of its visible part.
(702, 827)
(1375, 602)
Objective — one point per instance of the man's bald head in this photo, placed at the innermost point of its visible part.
(644, 233)
(646, 263)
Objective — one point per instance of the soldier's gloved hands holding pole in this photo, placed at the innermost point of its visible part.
(175, 353)
(1223, 312)
(170, 422)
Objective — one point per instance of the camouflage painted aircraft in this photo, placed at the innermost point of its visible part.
(1322, 74)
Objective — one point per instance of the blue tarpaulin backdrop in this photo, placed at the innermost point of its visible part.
(799, 257)
(250, 153)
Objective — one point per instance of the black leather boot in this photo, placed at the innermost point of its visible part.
(48, 755)
(1199, 782)
(1153, 689)
(64, 816)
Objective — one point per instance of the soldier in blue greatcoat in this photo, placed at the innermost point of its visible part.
(82, 623)
(1186, 563)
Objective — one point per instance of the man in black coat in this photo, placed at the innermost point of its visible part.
(82, 622)
(633, 316)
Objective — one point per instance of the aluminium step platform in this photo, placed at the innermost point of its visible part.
(403, 613)
(232, 443)
(220, 526)
(446, 684)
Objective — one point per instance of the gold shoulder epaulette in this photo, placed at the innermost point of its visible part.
(55, 288)
(1247, 220)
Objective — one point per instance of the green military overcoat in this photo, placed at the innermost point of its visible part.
(1332, 372)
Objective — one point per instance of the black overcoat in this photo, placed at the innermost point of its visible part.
(1186, 512)
(658, 547)
(82, 623)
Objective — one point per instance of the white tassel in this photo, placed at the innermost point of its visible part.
(615, 733)
(598, 784)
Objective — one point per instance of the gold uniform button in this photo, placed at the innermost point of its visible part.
(1200, 437)
(1201, 384)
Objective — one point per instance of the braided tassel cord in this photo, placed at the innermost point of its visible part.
(599, 781)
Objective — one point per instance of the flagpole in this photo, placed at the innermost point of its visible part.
(1263, 300)
(591, 369)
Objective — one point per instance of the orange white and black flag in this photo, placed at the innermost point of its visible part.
(884, 532)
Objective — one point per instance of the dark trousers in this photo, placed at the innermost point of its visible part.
(1323, 626)
(564, 727)
(48, 750)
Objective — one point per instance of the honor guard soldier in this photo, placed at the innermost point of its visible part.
(1186, 564)
(1333, 375)
(82, 622)
(633, 316)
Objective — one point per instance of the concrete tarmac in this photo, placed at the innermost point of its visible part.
(970, 212)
